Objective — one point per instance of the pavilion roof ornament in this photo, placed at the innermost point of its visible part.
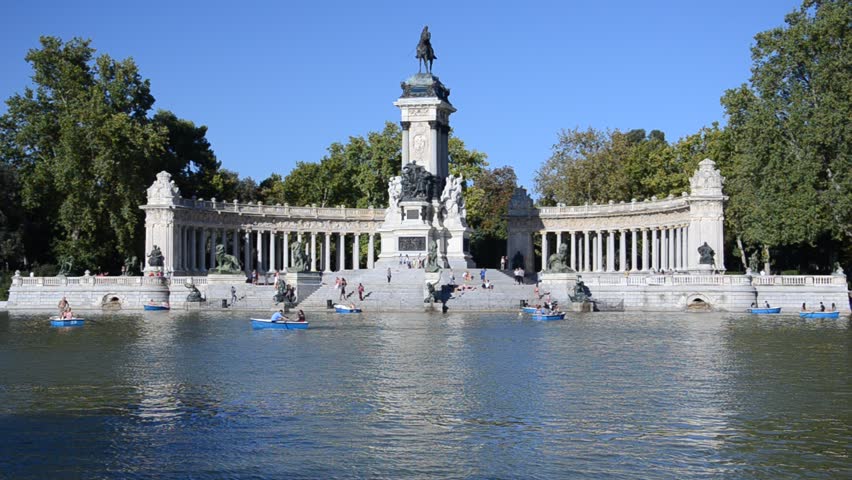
(707, 180)
(163, 191)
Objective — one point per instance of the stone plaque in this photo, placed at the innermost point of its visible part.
(412, 244)
(412, 214)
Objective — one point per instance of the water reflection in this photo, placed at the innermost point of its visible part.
(456, 396)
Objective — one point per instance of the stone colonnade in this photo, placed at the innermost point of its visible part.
(261, 237)
(269, 250)
(621, 249)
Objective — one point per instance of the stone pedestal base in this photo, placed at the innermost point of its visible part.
(580, 307)
(305, 283)
(702, 269)
(220, 279)
(559, 285)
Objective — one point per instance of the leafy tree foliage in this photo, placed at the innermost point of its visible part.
(83, 148)
(791, 169)
(487, 202)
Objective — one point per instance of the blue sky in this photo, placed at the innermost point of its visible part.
(277, 82)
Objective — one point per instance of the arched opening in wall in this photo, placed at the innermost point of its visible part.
(698, 303)
(111, 301)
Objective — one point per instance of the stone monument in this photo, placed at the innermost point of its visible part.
(425, 200)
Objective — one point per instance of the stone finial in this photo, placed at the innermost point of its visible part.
(163, 191)
(707, 180)
(87, 273)
(17, 273)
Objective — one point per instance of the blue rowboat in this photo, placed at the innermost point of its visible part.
(764, 311)
(554, 316)
(342, 309)
(528, 310)
(257, 323)
(68, 322)
(154, 308)
(819, 314)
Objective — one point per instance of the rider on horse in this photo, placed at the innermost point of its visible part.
(425, 54)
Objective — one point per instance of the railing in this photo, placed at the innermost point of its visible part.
(647, 206)
(298, 212)
(87, 280)
(615, 279)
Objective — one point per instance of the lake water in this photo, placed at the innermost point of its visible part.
(198, 395)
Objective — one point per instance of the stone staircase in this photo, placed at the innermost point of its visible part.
(405, 292)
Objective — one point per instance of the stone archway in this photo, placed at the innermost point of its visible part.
(698, 303)
(111, 301)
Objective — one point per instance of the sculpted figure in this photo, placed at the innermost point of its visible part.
(432, 294)
(194, 294)
(581, 292)
(298, 257)
(226, 264)
(558, 262)
(706, 252)
(130, 264)
(155, 258)
(66, 264)
(425, 53)
(432, 257)
(280, 293)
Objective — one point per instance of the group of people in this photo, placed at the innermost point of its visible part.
(519, 275)
(821, 307)
(340, 285)
(418, 262)
(64, 307)
(280, 317)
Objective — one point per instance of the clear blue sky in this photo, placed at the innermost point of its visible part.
(277, 82)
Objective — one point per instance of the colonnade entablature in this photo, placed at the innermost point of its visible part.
(653, 235)
(187, 230)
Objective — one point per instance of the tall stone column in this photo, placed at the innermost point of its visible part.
(371, 262)
(247, 251)
(313, 251)
(544, 250)
(573, 251)
(655, 250)
(341, 253)
(327, 252)
(664, 249)
(599, 250)
(633, 233)
(644, 249)
(285, 251)
(433, 160)
(671, 249)
(684, 242)
(211, 254)
(193, 249)
(405, 141)
(259, 262)
(622, 252)
(558, 240)
(610, 251)
(272, 260)
(586, 251)
(677, 248)
(356, 250)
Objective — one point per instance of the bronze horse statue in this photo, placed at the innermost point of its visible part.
(425, 54)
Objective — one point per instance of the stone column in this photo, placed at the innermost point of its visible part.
(610, 251)
(313, 251)
(211, 263)
(671, 249)
(285, 250)
(356, 250)
(259, 260)
(205, 237)
(622, 252)
(664, 249)
(273, 239)
(327, 253)
(193, 249)
(600, 251)
(371, 261)
(341, 254)
(573, 252)
(586, 251)
(433, 130)
(405, 141)
(633, 233)
(544, 250)
(247, 252)
(684, 247)
(558, 240)
(655, 250)
(677, 248)
(644, 249)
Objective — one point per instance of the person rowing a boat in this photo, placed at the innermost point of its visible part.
(62, 306)
(279, 316)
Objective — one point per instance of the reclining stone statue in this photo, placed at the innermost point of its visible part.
(226, 264)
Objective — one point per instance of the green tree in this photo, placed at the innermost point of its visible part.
(84, 148)
(790, 179)
(487, 202)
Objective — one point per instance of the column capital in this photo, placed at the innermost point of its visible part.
(405, 125)
(434, 124)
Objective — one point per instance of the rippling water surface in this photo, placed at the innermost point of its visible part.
(186, 395)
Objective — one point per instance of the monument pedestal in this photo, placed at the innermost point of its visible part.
(559, 285)
(305, 283)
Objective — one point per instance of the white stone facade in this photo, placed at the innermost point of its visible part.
(649, 236)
